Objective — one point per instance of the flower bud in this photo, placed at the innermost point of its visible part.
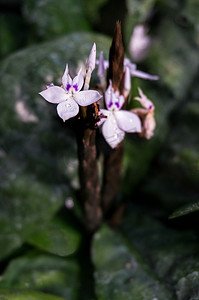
(92, 58)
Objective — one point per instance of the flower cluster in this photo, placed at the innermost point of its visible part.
(115, 120)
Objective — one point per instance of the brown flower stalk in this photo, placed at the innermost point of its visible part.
(97, 201)
(113, 158)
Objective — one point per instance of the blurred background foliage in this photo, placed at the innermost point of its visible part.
(44, 249)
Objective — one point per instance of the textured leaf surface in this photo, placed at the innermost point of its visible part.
(171, 254)
(25, 295)
(45, 273)
(57, 238)
(51, 19)
(121, 273)
(184, 210)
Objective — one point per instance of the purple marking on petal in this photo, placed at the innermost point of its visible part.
(117, 104)
(150, 106)
(68, 86)
(75, 86)
(110, 104)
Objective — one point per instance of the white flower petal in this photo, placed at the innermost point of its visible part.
(144, 75)
(127, 82)
(67, 109)
(128, 121)
(128, 64)
(85, 98)
(78, 82)
(113, 100)
(54, 94)
(120, 102)
(112, 134)
(109, 95)
(66, 79)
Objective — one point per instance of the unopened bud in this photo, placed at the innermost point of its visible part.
(127, 82)
(92, 58)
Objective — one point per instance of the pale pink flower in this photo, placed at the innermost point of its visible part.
(117, 121)
(140, 43)
(146, 114)
(68, 96)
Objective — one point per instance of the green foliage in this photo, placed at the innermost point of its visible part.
(121, 273)
(137, 12)
(11, 35)
(51, 19)
(25, 295)
(47, 273)
(93, 9)
(171, 254)
(41, 242)
(26, 205)
(57, 238)
(184, 210)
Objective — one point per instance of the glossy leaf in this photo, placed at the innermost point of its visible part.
(171, 254)
(41, 272)
(68, 16)
(184, 210)
(121, 273)
(57, 238)
(19, 215)
(25, 295)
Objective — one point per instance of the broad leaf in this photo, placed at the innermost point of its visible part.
(67, 15)
(57, 238)
(121, 273)
(25, 295)
(46, 273)
(25, 206)
(171, 254)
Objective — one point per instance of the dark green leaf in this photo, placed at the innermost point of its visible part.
(51, 19)
(44, 273)
(93, 9)
(137, 11)
(56, 238)
(25, 206)
(184, 210)
(25, 295)
(171, 254)
(121, 273)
